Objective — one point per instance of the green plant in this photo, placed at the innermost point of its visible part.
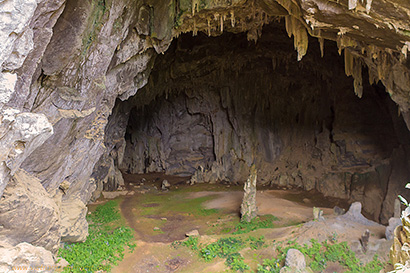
(236, 262)
(269, 266)
(256, 243)
(265, 221)
(105, 244)
(192, 243)
(222, 248)
(319, 254)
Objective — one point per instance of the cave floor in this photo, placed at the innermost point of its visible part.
(160, 218)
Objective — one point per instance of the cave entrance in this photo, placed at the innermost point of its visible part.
(215, 105)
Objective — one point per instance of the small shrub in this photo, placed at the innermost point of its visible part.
(236, 263)
(256, 243)
(256, 223)
(192, 243)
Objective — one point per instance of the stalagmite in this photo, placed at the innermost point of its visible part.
(248, 207)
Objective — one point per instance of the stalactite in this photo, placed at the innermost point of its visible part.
(348, 63)
(209, 26)
(352, 4)
(195, 6)
(232, 18)
(368, 6)
(222, 22)
(322, 46)
(288, 25)
(195, 30)
(358, 79)
(295, 28)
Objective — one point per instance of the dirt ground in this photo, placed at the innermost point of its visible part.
(162, 217)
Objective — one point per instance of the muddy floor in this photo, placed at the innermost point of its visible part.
(161, 217)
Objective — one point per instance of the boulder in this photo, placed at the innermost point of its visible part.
(194, 232)
(25, 257)
(354, 214)
(74, 226)
(393, 223)
(29, 214)
(165, 185)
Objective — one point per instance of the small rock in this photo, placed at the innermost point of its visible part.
(354, 214)
(61, 263)
(364, 240)
(165, 185)
(164, 219)
(143, 180)
(131, 184)
(157, 229)
(306, 201)
(194, 232)
(295, 260)
(393, 223)
(318, 214)
(338, 211)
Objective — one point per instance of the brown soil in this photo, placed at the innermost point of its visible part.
(155, 254)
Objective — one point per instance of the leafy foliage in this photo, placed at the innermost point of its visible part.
(257, 223)
(105, 244)
(236, 263)
(256, 243)
(319, 254)
(222, 248)
(192, 243)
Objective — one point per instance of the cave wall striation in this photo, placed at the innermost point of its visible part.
(64, 64)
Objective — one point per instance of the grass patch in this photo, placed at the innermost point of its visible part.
(176, 203)
(319, 254)
(105, 244)
(265, 221)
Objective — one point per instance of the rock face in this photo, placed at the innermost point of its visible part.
(247, 104)
(65, 62)
(27, 258)
(29, 214)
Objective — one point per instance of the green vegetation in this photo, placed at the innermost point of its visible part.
(222, 248)
(105, 244)
(256, 243)
(162, 205)
(192, 243)
(95, 23)
(236, 263)
(265, 221)
(319, 254)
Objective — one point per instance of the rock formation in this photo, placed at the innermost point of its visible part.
(249, 210)
(64, 63)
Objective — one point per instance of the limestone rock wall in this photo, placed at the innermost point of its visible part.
(64, 62)
(224, 103)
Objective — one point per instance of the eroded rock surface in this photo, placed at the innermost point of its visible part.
(64, 63)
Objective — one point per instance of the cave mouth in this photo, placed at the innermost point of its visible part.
(213, 106)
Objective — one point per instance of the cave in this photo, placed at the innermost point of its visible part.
(311, 97)
(213, 106)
